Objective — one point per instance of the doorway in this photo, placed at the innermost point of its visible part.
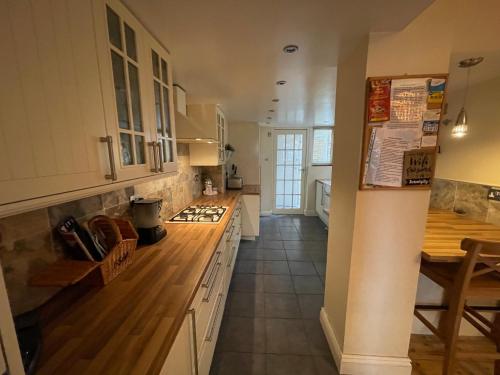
(289, 168)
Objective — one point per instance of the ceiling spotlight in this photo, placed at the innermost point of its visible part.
(276, 100)
(271, 110)
(291, 48)
(269, 118)
(280, 83)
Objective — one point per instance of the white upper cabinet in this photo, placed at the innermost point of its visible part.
(160, 87)
(51, 112)
(124, 72)
(85, 101)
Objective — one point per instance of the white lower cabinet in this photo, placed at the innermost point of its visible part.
(181, 359)
(193, 350)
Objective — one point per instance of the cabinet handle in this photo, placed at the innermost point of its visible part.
(160, 154)
(208, 294)
(194, 345)
(233, 250)
(155, 156)
(109, 142)
(206, 282)
(214, 322)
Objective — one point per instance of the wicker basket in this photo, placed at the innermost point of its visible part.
(121, 237)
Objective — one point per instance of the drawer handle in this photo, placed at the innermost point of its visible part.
(206, 283)
(230, 235)
(214, 321)
(194, 348)
(233, 250)
(109, 142)
(230, 225)
(208, 293)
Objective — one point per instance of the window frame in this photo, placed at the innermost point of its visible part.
(329, 164)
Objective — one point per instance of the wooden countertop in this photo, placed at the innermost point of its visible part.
(250, 190)
(444, 232)
(129, 326)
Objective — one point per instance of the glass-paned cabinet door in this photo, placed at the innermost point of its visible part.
(162, 92)
(125, 64)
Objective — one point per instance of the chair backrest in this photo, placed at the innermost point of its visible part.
(482, 257)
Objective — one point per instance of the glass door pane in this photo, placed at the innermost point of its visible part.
(289, 167)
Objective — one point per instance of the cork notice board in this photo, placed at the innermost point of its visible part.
(401, 128)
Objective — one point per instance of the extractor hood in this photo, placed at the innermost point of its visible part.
(187, 129)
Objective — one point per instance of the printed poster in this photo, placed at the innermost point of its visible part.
(379, 100)
(408, 99)
(436, 92)
(430, 128)
(417, 167)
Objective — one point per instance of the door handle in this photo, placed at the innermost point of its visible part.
(160, 154)
(109, 142)
(154, 145)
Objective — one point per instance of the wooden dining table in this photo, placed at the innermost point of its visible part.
(446, 229)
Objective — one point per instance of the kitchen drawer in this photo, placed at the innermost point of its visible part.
(210, 338)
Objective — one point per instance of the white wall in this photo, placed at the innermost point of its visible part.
(244, 137)
(478, 153)
(374, 250)
(266, 170)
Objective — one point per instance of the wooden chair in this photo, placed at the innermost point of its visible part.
(478, 275)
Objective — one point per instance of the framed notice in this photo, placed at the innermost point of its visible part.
(401, 129)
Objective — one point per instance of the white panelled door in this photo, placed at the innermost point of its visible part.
(289, 168)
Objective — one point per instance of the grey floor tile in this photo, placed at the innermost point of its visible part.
(315, 245)
(325, 365)
(276, 267)
(244, 244)
(274, 236)
(290, 365)
(307, 235)
(298, 255)
(317, 341)
(281, 306)
(274, 254)
(243, 335)
(247, 283)
(273, 245)
(302, 268)
(307, 285)
(291, 236)
(286, 336)
(310, 305)
(249, 266)
(294, 245)
(246, 304)
(227, 363)
(277, 284)
(317, 255)
(249, 254)
(320, 267)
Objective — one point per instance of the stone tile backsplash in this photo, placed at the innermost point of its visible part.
(464, 197)
(28, 241)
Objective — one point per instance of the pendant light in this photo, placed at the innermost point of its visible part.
(461, 127)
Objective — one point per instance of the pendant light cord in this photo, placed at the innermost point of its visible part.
(466, 87)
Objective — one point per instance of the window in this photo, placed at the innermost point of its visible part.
(322, 150)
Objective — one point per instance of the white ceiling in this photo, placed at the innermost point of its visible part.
(230, 51)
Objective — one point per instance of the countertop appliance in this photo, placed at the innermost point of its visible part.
(234, 181)
(200, 214)
(146, 213)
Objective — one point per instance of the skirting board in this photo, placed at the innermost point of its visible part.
(266, 213)
(355, 364)
(310, 213)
